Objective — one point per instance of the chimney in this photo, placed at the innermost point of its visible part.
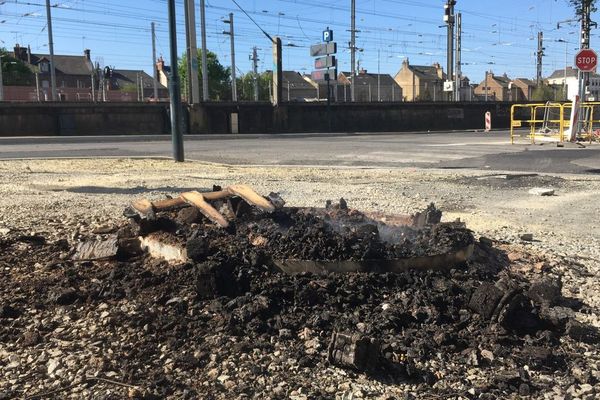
(362, 71)
(87, 54)
(20, 53)
(160, 64)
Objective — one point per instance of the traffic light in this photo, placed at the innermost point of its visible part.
(449, 11)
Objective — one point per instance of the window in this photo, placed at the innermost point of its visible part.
(44, 67)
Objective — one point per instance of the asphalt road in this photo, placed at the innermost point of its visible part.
(491, 151)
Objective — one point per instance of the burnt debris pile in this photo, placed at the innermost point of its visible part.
(218, 303)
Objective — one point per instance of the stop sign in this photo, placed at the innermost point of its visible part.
(586, 60)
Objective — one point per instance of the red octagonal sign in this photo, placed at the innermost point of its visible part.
(586, 60)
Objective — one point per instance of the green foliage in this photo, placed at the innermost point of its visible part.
(219, 77)
(130, 88)
(15, 72)
(245, 86)
(579, 4)
(546, 93)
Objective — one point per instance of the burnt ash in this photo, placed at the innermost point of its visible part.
(231, 303)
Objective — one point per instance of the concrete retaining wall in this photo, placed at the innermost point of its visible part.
(56, 119)
(23, 119)
(357, 117)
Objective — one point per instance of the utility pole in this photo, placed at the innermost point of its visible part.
(254, 58)
(486, 85)
(353, 48)
(191, 51)
(540, 57)
(154, 69)
(585, 44)
(232, 36)
(51, 49)
(449, 20)
(37, 87)
(458, 56)
(378, 76)
(137, 85)
(277, 90)
(204, 56)
(565, 72)
(175, 92)
(2, 81)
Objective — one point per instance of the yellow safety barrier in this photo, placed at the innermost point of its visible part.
(549, 121)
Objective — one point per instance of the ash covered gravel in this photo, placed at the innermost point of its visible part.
(110, 330)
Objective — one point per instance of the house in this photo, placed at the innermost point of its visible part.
(568, 79)
(493, 87)
(521, 89)
(421, 82)
(137, 83)
(368, 87)
(77, 79)
(163, 72)
(74, 74)
(297, 88)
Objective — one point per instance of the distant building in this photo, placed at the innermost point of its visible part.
(163, 72)
(493, 87)
(369, 87)
(136, 83)
(297, 88)
(521, 89)
(72, 72)
(421, 82)
(77, 79)
(568, 78)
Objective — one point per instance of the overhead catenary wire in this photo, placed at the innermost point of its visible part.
(397, 36)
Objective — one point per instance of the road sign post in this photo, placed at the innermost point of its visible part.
(325, 65)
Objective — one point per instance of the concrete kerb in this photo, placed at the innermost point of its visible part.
(16, 140)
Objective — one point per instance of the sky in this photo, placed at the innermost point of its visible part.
(498, 35)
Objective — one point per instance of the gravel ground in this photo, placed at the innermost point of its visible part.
(64, 198)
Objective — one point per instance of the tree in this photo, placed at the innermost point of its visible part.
(219, 77)
(545, 93)
(14, 71)
(245, 86)
(578, 5)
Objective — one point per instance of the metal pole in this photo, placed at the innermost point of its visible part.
(192, 51)
(486, 85)
(378, 76)
(176, 134)
(255, 72)
(353, 48)
(37, 85)
(277, 73)
(51, 49)
(1, 81)
(565, 74)
(154, 69)
(233, 82)
(540, 55)
(450, 46)
(458, 55)
(205, 96)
